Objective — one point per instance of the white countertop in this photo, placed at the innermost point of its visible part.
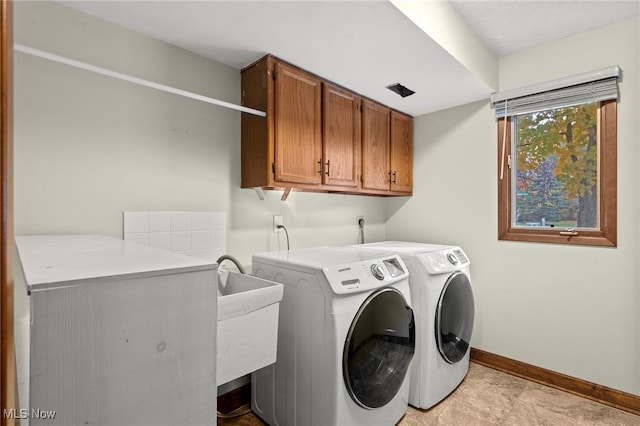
(51, 260)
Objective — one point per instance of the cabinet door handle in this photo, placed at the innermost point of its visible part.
(328, 163)
(320, 166)
(389, 176)
(394, 177)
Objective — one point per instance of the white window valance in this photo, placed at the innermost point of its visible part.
(594, 86)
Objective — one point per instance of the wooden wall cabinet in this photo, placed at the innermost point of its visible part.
(298, 121)
(387, 150)
(401, 157)
(341, 137)
(376, 144)
(284, 148)
(318, 136)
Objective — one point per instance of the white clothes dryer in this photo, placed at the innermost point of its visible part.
(346, 337)
(442, 299)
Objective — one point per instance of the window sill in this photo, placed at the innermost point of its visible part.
(585, 238)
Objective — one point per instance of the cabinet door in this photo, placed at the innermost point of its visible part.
(341, 136)
(401, 152)
(375, 146)
(298, 121)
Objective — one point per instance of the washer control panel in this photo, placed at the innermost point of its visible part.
(377, 271)
(365, 275)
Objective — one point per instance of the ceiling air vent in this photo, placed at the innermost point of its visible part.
(401, 90)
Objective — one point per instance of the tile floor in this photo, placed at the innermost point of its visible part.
(489, 397)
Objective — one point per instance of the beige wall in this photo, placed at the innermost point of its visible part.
(574, 310)
(88, 147)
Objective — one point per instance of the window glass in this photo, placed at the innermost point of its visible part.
(555, 169)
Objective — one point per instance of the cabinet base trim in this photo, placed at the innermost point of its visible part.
(260, 191)
(234, 399)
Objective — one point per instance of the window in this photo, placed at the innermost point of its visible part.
(557, 174)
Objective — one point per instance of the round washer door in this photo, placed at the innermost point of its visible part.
(454, 318)
(379, 347)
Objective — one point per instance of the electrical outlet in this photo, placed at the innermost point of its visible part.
(360, 222)
(277, 221)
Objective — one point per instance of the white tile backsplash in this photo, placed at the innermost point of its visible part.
(136, 222)
(180, 221)
(199, 240)
(140, 238)
(180, 241)
(217, 238)
(200, 221)
(159, 222)
(198, 234)
(217, 221)
(160, 240)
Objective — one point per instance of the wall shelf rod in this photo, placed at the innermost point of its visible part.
(135, 80)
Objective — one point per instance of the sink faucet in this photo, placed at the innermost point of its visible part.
(231, 259)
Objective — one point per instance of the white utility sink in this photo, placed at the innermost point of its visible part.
(247, 324)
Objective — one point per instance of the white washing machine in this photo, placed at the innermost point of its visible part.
(442, 299)
(346, 337)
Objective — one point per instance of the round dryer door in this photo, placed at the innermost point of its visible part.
(379, 347)
(454, 318)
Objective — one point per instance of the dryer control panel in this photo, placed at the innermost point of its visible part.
(365, 275)
(439, 262)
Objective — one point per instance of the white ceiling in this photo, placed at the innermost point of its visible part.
(362, 45)
(509, 26)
